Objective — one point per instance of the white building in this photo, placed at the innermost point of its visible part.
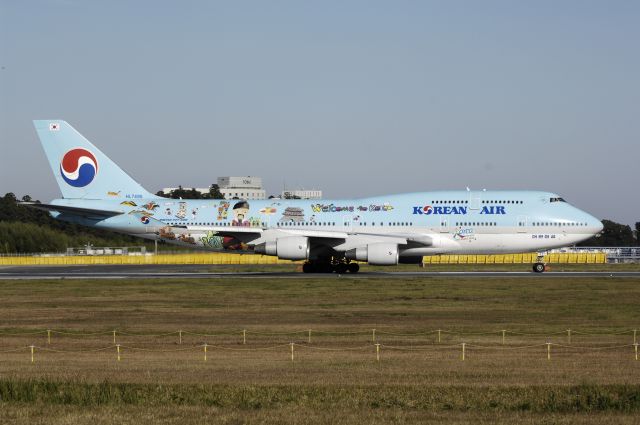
(301, 194)
(240, 182)
(247, 187)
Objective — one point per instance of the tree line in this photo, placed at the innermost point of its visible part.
(28, 230)
(181, 193)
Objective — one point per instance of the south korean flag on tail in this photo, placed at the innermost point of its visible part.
(54, 126)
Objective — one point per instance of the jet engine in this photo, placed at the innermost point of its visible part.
(289, 248)
(377, 254)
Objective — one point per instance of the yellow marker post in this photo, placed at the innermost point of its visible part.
(548, 351)
(48, 336)
(438, 336)
(180, 336)
(635, 346)
(503, 334)
(244, 336)
(118, 351)
(32, 350)
(373, 336)
(634, 336)
(569, 336)
(309, 339)
(291, 351)
(377, 352)
(114, 336)
(205, 352)
(463, 350)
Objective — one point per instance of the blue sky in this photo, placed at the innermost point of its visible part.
(357, 98)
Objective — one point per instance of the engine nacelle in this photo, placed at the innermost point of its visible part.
(377, 254)
(289, 248)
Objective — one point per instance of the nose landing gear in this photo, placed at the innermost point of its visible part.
(539, 268)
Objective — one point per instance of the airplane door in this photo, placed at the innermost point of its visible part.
(522, 224)
(444, 225)
(474, 200)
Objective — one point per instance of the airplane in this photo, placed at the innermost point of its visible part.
(331, 235)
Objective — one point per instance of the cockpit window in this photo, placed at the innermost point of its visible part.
(557, 200)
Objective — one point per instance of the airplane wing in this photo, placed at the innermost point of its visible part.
(64, 209)
(224, 229)
(333, 236)
(241, 233)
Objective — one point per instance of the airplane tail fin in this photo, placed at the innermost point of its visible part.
(82, 170)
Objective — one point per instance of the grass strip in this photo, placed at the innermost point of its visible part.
(540, 399)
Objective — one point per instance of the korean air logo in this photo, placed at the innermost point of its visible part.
(78, 167)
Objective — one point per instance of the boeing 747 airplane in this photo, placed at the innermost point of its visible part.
(329, 235)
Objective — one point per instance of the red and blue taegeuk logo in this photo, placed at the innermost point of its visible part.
(78, 167)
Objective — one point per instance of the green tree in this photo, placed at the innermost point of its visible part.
(25, 230)
(181, 193)
(214, 192)
(613, 234)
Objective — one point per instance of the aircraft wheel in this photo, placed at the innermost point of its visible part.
(308, 268)
(538, 267)
(353, 267)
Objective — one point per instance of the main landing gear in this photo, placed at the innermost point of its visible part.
(335, 266)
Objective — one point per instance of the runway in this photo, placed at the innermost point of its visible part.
(208, 271)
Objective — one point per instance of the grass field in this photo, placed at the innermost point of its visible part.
(335, 378)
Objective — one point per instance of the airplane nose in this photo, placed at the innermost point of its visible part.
(598, 226)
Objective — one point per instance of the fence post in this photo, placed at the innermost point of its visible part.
(463, 350)
(180, 336)
(205, 351)
(377, 352)
(114, 336)
(635, 346)
(373, 336)
(438, 336)
(32, 349)
(244, 336)
(569, 335)
(634, 336)
(291, 351)
(503, 333)
(309, 340)
(118, 351)
(548, 351)
(48, 336)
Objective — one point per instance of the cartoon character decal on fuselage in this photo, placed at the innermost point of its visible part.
(240, 212)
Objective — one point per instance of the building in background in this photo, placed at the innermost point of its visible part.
(241, 187)
(301, 194)
(247, 187)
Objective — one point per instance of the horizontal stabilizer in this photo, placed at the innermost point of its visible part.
(63, 209)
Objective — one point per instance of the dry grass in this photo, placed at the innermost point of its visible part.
(342, 385)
